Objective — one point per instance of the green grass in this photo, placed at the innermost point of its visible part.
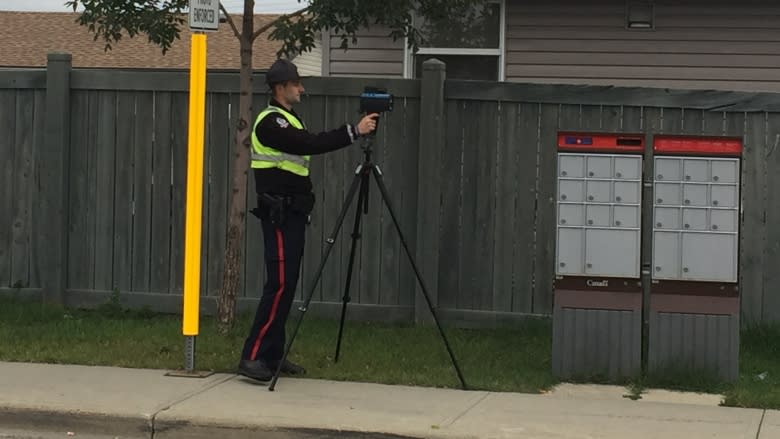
(516, 359)
(501, 360)
(759, 381)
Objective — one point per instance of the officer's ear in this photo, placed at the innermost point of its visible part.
(277, 87)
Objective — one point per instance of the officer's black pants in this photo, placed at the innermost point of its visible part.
(283, 253)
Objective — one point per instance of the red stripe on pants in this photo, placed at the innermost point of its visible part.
(277, 297)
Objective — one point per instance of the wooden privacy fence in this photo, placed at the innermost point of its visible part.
(94, 180)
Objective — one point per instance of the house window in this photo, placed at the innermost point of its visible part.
(472, 47)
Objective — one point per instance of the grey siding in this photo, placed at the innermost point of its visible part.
(696, 44)
(310, 63)
(374, 54)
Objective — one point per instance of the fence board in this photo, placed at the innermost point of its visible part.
(468, 295)
(123, 194)
(161, 195)
(632, 119)
(486, 187)
(771, 301)
(507, 193)
(7, 195)
(7, 151)
(526, 157)
(39, 138)
(591, 117)
(142, 185)
(611, 116)
(81, 218)
(652, 120)
(23, 185)
(545, 217)
(571, 117)
(753, 231)
(672, 120)
(313, 113)
(693, 121)
(179, 123)
(713, 123)
(219, 190)
(105, 146)
(449, 281)
(333, 200)
(409, 147)
(205, 197)
(93, 216)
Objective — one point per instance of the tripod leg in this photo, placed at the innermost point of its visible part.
(329, 245)
(362, 201)
(386, 198)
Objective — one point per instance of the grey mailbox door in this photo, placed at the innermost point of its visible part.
(598, 215)
(695, 218)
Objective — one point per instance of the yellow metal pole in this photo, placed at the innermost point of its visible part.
(194, 206)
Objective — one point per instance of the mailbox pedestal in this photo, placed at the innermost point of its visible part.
(597, 315)
(694, 296)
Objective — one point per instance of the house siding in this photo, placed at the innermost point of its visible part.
(310, 63)
(374, 54)
(696, 44)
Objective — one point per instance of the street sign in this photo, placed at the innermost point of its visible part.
(204, 15)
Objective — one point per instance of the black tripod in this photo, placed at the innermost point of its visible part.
(362, 175)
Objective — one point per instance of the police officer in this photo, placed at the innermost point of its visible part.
(281, 150)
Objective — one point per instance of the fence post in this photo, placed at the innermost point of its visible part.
(431, 145)
(53, 172)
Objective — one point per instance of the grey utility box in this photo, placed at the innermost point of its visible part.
(597, 297)
(694, 295)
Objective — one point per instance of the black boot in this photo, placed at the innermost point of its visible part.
(256, 369)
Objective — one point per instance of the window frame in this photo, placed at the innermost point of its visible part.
(500, 52)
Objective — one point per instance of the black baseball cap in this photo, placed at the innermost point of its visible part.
(280, 71)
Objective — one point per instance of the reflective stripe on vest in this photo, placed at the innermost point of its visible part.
(266, 157)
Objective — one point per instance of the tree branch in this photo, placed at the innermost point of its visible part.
(267, 26)
(230, 21)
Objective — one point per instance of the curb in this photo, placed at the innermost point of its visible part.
(79, 423)
(181, 430)
(18, 422)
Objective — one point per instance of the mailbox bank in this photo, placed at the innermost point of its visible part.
(597, 314)
(694, 295)
(686, 289)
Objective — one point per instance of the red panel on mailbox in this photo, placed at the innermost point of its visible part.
(698, 145)
(592, 142)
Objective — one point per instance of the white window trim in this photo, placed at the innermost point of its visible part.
(500, 52)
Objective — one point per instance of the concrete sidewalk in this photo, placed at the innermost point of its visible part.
(39, 400)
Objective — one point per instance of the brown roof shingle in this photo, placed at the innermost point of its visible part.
(27, 38)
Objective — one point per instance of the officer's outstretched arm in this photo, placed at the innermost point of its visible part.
(276, 132)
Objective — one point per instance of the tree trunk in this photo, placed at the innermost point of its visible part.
(226, 303)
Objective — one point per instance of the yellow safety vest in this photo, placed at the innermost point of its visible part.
(264, 157)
